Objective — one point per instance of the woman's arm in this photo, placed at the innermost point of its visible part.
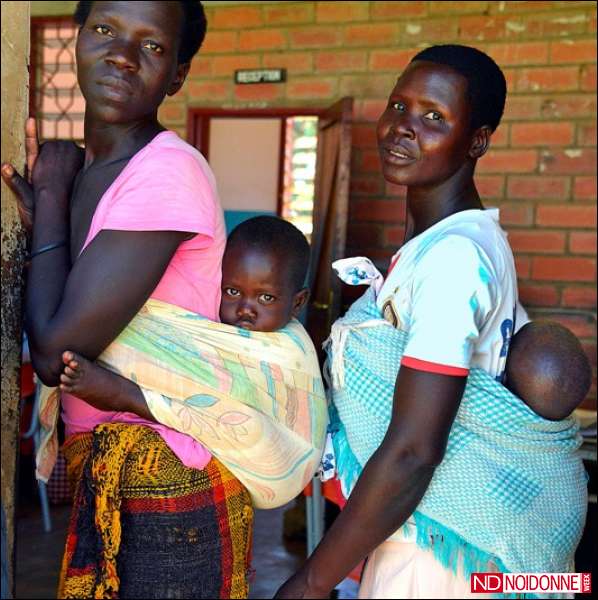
(392, 483)
(85, 309)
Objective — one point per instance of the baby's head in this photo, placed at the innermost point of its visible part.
(263, 274)
(548, 369)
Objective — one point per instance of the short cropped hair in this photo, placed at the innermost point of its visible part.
(548, 369)
(280, 238)
(193, 27)
(486, 84)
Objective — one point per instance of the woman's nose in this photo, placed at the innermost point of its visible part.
(123, 55)
(403, 126)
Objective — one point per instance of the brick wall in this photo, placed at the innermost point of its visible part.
(541, 170)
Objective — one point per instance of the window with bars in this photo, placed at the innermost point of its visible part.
(55, 98)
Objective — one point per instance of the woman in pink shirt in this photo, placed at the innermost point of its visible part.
(138, 216)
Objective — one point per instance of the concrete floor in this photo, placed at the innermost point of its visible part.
(38, 554)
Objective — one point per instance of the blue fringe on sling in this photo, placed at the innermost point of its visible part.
(511, 490)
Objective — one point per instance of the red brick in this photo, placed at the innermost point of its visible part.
(297, 62)
(370, 110)
(292, 14)
(538, 187)
(262, 39)
(542, 134)
(479, 28)
(567, 106)
(582, 242)
(315, 37)
(397, 10)
(173, 113)
(490, 186)
(586, 134)
(227, 65)
(260, 91)
(508, 161)
(219, 41)
(210, 91)
(364, 135)
(538, 295)
(200, 67)
(519, 54)
(516, 7)
(395, 191)
(579, 297)
(583, 326)
(547, 79)
(311, 88)
(516, 214)
(238, 18)
(379, 34)
(364, 236)
(370, 161)
(542, 242)
(390, 60)
(547, 25)
(453, 8)
(395, 235)
(587, 81)
(590, 350)
(522, 266)
(557, 268)
(585, 188)
(362, 186)
(429, 31)
(573, 51)
(367, 85)
(566, 215)
(522, 107)
(341, 61)
(380, 211)
(572, 161)
(331, 12)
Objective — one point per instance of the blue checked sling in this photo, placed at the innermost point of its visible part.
(511, 490)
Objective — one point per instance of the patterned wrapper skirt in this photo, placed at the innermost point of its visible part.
(145, 526)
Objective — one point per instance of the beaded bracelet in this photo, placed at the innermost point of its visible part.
(47, 249)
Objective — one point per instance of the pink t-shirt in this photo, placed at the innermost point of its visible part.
(166, 186)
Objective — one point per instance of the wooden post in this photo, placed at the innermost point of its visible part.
(15, 94)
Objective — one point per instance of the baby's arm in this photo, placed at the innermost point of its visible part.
(101, 388)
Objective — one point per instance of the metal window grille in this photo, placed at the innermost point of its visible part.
(55, 98)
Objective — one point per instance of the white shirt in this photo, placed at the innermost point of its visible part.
(453, 289)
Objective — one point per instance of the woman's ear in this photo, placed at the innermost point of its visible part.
(177, 82)
(480, 142)
(299, 301)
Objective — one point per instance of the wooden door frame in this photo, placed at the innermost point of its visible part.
(198, 130)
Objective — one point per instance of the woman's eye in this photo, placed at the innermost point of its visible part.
(103, 30)
(267, 298)
(433, 116)
(153, 47)
(397, 106)
(231, 292)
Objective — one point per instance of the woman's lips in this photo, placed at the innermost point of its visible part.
(116, 88)
(397, 156)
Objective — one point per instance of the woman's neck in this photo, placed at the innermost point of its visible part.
(107, 143)
(428, 206)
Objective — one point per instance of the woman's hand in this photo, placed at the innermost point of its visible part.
(20, 186)
(56, 167)
(298, 587)
(53, 166)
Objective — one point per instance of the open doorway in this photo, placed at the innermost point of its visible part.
(264, 161)
(290, 162)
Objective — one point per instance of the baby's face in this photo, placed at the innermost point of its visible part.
(255, 292)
